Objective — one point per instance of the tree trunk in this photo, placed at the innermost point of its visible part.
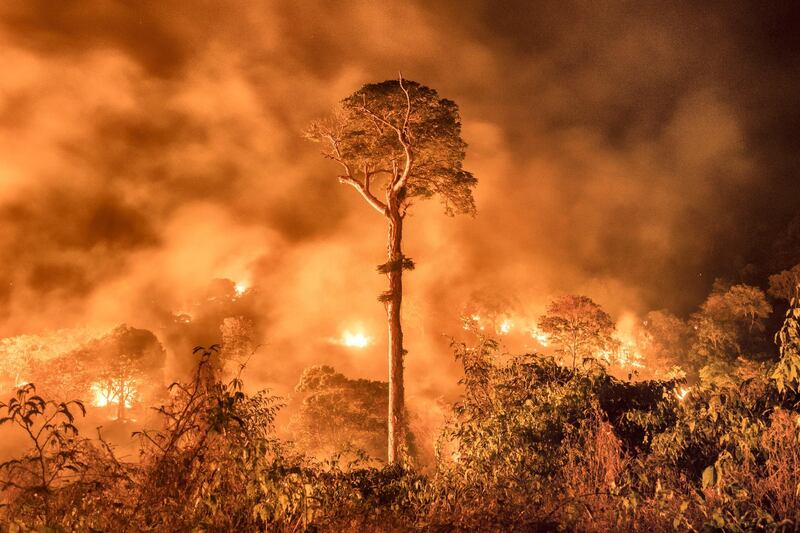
(121, 405)
(396, 389)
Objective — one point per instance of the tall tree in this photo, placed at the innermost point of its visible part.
(396, 142)
(577, 327)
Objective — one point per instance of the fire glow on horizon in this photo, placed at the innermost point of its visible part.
(240, 288)
(357, 339)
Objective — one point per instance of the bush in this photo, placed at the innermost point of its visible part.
(532, 446)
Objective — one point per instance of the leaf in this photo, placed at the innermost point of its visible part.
(709, 476)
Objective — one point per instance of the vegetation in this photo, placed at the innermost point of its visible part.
(532, 445)
(338, 413)
(578, 327)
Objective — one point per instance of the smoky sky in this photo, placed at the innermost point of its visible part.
(631, 151)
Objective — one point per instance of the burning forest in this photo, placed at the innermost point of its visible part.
(399, 266)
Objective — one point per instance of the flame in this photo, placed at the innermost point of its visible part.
(100, 397)
(104, 394)
(505, 327)
(627, 353)
(473, 322)
(354, 340)
(240, 288)
(541, 337)
(682, 392)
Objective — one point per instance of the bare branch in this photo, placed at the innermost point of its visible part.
(363, 107)
(399, 184)
(408, 102)
(379, 206)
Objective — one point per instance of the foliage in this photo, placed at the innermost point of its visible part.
(728, 322)
(785, 284)
(399, 127)
(531, 446)
(787, 372)
(338, 413)
(55, 455)
(578, 327)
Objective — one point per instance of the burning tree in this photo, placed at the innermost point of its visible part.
(123, 365)
(401, 137)
(577, 327)
(665, 339)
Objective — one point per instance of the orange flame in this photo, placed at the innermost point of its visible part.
(354, 340)
(104, 394)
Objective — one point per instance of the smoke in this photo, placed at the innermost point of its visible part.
(625, 152)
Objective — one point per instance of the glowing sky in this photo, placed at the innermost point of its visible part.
(630, 151)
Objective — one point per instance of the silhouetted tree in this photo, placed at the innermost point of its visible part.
(785, 285)
(126, 364)
(402, 138)
(727, 319)
(338, 412)
(577, 327)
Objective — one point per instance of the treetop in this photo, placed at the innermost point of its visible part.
(405, 134)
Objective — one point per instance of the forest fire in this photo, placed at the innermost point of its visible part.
(101, 397)
(505, 327)
(280, 266)
(111, 393)
(240, 288)
(541, 337)
(356, 339)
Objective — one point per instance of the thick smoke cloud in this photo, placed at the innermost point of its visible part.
(632, 152)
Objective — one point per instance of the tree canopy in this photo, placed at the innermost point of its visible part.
(404, 133)
(577, 327)
(728, 318)
(785, 284)
(338, 412)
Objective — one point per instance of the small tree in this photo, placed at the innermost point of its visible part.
(399, 137)
(727, 320)
(340, 413)
(54, 452)
(785, 285)
(786, 372)
(121, 364)
(577, 327)
(117, 383)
